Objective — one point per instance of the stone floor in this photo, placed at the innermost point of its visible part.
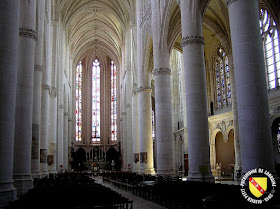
(138, 202)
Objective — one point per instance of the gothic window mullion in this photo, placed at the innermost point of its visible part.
(274, 60)
(96, 101)
(78, 134)
(223, 88)
(270, 38)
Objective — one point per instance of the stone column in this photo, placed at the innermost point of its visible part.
(163, 107)
(9, 21)
(65, 139)
(251, 92)
(145, 130)
(45, 98)
(60, 101)
(163, 118)
(52, 135)
(135, 130)
(60, 137)
(128, 66)
(196, 98)
(45, 107)
(38, 68)
(235, 118)
(24, 101)
(124, 139)
(144, 100)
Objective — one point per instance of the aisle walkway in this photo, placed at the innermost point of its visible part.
(138, 202)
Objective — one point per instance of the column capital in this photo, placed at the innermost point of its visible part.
(46, 87)
(38, 68)
(28, 32)
(229, 2)
(53, 92)
(134, 89)
(192, 40)
(162, 71)
(144, 89)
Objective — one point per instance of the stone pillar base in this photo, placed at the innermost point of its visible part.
(208, 177)
(23, 183)
(53, 172)
(36, 174)
(148, 171)
(7, 194)
(165, 172)
(136, 167)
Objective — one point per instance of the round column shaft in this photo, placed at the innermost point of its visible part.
(251, 89)
(196, 98)
(24, 101)
(9, 21)
(145, 131)
(36, 115)
(135, 131)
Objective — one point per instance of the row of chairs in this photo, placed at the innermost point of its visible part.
(70, 191)
(176, 194)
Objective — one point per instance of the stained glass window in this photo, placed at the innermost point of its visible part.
(153, 123)
(79, 102)
(113, 102)
(96, 101)
(271, 48)
(223, 87)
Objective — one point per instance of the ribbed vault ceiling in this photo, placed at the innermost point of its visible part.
(96, 26)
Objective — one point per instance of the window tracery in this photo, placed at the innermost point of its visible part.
(78, 134)
(96, 101)
(223, 87)
(270, 38)
(113, 102)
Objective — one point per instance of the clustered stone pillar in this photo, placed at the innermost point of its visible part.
(45, 101)
(163, 107)
(135, 130)
(146, 155)
(9, 22)
(251, 90)
(52, 126)
(24, 97)
(163, 119)
(38, 68)
(128, 92)
(65, 135)
(237, 153)
(196, 98)
(145, 130)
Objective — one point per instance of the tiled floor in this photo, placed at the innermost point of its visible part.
(138, 202)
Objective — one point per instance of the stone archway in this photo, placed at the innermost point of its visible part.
(225, 154)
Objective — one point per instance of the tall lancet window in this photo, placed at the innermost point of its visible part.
(153, 124)
(271, 48)
(223, 87)
(96, 101)
(113, 102)
(79, 102)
